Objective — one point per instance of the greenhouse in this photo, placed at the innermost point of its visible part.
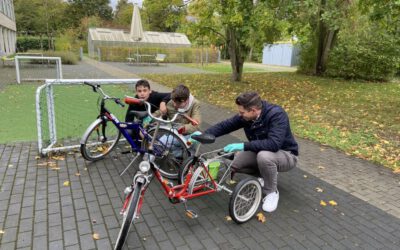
(103, 37)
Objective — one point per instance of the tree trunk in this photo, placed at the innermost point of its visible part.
(320, 37)
(328, 44)
(236, 55)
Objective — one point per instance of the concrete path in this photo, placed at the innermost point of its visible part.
(37, 211)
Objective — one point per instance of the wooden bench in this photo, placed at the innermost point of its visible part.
(131, 60)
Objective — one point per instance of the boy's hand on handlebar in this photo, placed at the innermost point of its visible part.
(233, 147)
(163, 108)
(146, 121)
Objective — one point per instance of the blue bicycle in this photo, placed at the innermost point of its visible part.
(102, 136)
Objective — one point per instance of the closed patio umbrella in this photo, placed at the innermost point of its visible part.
(136, 27)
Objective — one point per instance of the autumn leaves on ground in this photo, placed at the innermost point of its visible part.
(360, 118)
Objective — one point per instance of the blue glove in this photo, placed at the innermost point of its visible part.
(234, 147)
(192, 134)
(146, 121)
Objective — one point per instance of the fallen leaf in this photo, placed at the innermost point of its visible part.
(2, 232)
(332, 203)
(144, 239)
(58, 158)
(96, 236)
(56, 168)
(319, 190)
(305, 176)
(228, 218)
(261, 217)
(66, 183)
(42, 164)
(85, 169)
(231, 182)
(52, 164)
(322, 203)
(77, 174)
(37, 157)
(396, 171)
(94, 221)
(10, 165)
(321, 149)
(321, 167)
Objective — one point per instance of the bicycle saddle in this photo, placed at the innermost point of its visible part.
(138, 114)
(204, 138)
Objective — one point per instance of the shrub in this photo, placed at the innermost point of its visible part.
(26, 43)
(368, 56)
(308, 50)
(67, 57)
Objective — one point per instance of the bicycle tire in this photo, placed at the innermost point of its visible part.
(129, 216)
(92, 146)
(183, 171)
(167, 163)
(241, 210)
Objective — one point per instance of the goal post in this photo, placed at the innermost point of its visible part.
(65, 108)
(34, 73)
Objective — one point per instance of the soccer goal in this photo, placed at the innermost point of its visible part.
(66, 107)
(37, 68)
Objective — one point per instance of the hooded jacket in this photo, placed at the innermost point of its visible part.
(270, 132)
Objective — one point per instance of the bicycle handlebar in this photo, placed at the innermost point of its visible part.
(137, 101)
(105, 96)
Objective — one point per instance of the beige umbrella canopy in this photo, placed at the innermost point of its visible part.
(136, 25)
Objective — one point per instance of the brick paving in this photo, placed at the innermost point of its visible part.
(38, 212)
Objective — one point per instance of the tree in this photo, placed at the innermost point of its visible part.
(123, 13)
(242, 25)
(78, 9)
(163, 15)
(40, 17)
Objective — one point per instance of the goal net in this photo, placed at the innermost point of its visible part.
(65, 108)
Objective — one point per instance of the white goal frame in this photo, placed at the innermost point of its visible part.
(48, 87)
(43, 58)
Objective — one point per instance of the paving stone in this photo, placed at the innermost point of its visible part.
(56, 245)
(24, 239)
(37, 210)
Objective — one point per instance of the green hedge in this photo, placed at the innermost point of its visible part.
(174, 55)
(67, 57)
(367, 56)
(26, 43)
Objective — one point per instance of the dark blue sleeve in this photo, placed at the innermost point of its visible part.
(277, 128)
(225, 127)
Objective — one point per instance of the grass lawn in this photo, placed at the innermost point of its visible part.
(360, 118)
(220, 67)
(76, 107)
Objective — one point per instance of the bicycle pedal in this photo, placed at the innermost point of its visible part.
(191, 214)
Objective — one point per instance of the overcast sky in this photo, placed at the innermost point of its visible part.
(113, 3)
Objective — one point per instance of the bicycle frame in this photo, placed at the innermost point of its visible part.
(123, 127)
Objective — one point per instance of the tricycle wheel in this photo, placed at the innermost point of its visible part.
(245, 200)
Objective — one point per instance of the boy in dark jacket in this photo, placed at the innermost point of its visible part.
(271, 147)
(157, 100)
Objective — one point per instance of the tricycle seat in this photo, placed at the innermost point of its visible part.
(204, 138)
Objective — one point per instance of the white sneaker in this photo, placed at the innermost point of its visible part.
(261, 181)
(270, 202)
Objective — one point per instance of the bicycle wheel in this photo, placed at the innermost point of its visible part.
(170, 151)
(129, 216)
(184, 170)
(95, 144)
(245, 200)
